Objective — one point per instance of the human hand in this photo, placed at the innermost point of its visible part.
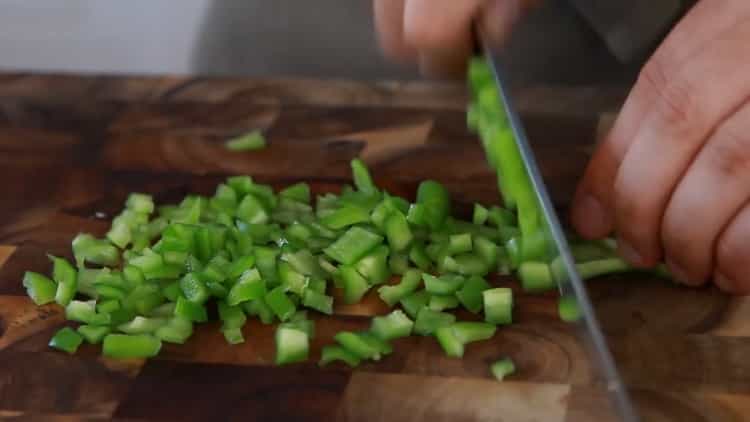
(437, 34)
(672, 178)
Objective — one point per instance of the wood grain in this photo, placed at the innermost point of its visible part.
(72, 148)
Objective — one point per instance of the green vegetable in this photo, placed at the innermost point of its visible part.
(353, 245)
(470, 294)
(67, 340)
(66, 278)
(392, 326)
(409, 283)
(280, 303)
(176, 330)
(355, 286)
(436, 202)
(93, 334)
(40, 289)
(250, 286)
(443, 285)
(333, 353)
(568, 309)
(248, 142)
(318, 301)
(362, 179)
(428, 321)
(442, 303)
(355, 344)
(142, 325)
(502, 368)
(190, 311)
(498, 305)
(292, 345)
(414, 302)
(123, 346)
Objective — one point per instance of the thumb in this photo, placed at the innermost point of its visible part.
(500, 16)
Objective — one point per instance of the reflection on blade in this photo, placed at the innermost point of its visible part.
(575, 305)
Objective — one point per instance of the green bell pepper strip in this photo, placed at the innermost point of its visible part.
(409, 283)
(251, 141)
(353, 245)
(298, 192)
(428, 321)
(414, 302)
(190, 310)
(362, 179)
(292, 345)
(318, 301)
(280, 303)
(40, 289)
(374, 265)
(442, 303)
(251, 210)
(292, 280)
(177, 330)
(444, 285)
(85, 312)
(418, 256)
(93, 334)
(417, 215)
(500, 217)
(356, 345)
(345, 216)
(470, 294)
(459, 243)
(502, 368)
(398, 263)
(142, 325)
(67, 340)
(259, 308)
(86, 248)
(233, 335)
(451, 344)
(434, 198)
(333, 353)
(392, 326)
(354, 284)
(250, 286)
(498, 305)
(398, 232)
(480, 214)
(265, 262)
(194, 288)
(124, 346)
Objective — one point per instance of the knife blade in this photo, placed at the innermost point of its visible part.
(564, 270)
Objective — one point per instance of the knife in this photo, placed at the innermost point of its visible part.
(564, 270)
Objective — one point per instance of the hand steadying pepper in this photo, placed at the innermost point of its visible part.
(672, 178)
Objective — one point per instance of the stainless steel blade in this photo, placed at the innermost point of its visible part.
(567, 277)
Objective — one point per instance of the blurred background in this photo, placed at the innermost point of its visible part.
(316, 38)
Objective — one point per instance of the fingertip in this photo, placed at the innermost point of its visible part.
(729, 285)
(589, 217)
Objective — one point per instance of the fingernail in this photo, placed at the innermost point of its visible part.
(591, 216)
(629, 253)
(725, 283)
(677, 272)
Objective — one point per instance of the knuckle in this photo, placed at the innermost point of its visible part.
(730, 151)
(677, 107)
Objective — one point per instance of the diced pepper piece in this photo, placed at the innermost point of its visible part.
(66, 278)
(142, 325)
(417, 215)
(498, 305)
(414, 302)
(67, 340)
(468, 332)
(304, 262)
(443, 302)
(265, 261)
(292, 280)
(382, 346)
(190, 310)
(40, 289)
(85, 312)
(124, 346)
(86, 248)
(362, 179)
(298, 192)
(280, 303)
(231, 316)
(428, 321)
(536, 276)
(451, 344)
(333, 353)
(176, 330)
(459, 243)
(261, 309)
(355, 344)
(436, 202)
(470, 294)
(398, 263)
(568, 309)
(419, 257)
(392, 326)
(501, 217)
(250, 141)
(93, 334)
(502, 368)
(251, 210)
(164, 310)
(374, 265)
(487, 250)
(233, 335)
(292, 345)
(240, 265)
(250, 286)
(194, 288)
(318, 301)
(410, 282)
(444, 285)
(140, 203)
(465, 264)
(398, 232)
(345, 216)
(480, 214)
(355, 286)
(172, 290)
(108, 306)
(353, 245)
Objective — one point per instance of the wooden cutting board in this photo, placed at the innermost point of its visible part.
(72, 147)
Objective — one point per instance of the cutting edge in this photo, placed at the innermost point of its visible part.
(615, 387)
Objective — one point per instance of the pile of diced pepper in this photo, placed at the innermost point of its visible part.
(253, 252)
